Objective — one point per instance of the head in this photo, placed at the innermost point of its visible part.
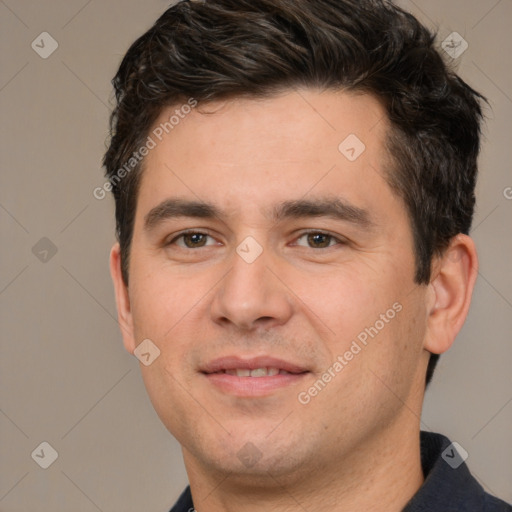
(300, 77)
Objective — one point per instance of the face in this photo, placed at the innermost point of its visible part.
(261, 242)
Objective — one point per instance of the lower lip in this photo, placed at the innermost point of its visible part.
(253, 386)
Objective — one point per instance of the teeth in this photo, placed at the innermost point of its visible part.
(239, 372)
(257, 372)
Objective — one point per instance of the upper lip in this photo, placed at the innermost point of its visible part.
(250, 363)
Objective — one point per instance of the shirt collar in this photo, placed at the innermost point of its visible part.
(448, 484)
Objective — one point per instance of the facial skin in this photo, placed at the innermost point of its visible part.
(356, 442)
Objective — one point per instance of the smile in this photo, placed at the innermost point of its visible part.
(252, 377)
(258, 372)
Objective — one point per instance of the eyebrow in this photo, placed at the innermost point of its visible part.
(328, 207)
(325, 207)
(171, 208)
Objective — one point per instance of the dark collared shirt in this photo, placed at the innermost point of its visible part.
(448, 486)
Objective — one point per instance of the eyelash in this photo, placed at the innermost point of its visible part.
(303, 234)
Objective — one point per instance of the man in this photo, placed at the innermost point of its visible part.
(294, 186)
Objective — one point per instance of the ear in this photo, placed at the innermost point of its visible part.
(450, 290)
(124, 314)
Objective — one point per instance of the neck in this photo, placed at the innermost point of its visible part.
(381, 474)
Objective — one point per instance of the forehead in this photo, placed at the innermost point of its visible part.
(318, 119)
(246, 151)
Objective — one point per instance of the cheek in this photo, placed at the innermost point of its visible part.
(168, 379)
(343, 302)
(160, 301)
(394, 350)
(169, 397)
(165, 315)
(377, 325)
(378, 372)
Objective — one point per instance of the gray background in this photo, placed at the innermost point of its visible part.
(65, 377)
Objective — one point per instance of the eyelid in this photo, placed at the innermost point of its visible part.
(338, 238)
(171, 240)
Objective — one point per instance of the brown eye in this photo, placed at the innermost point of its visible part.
(318, 240)
(192, 240)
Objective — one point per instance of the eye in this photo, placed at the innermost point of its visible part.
(318, 240)
(192, 240)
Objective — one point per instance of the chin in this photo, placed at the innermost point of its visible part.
(252, 458)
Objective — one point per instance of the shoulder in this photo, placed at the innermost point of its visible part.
(449, 485)
(493, 504)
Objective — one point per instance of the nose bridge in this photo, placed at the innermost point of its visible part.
(250, 294)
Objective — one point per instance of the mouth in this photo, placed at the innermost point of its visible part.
(256, 372)
(252, 377)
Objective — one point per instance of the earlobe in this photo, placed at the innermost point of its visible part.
(124, 314)
(450, 292)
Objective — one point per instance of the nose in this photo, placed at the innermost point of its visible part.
(251, 295)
